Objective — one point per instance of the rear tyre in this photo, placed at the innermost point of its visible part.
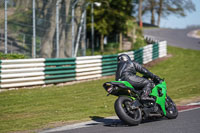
(127, 114)
(171, 110)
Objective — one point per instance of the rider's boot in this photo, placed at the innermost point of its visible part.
(145, 95)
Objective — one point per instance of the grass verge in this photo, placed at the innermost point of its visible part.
(198, 33)
(29, 110)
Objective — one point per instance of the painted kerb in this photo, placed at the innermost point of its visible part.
(30, 72)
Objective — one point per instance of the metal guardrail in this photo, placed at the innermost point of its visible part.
(30, 72)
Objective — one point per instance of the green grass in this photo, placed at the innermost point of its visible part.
(198, 33)
(11, 56)
(31, 109)
(181, 72)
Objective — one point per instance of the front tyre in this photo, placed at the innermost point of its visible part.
(171, 110)
(126, 113)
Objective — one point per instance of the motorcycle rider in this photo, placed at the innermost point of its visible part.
(126, 71)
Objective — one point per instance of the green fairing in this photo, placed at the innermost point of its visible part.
(125, 82)
(133, 98)
(160, 100)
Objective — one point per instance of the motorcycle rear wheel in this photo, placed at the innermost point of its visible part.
(171, 110)
(127, 114)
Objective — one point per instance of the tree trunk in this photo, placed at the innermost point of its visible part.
(48, 11)
(133, 36)
(65, 30)
(120, 42)
(66, 27)
(140, 13)
(102, 43)
(48, 39)
(23, 3)
(160, 12)
(152, 2)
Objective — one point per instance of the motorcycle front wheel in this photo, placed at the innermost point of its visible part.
(126, 113)
(171, 110)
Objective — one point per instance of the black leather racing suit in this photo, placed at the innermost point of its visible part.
(126, 71)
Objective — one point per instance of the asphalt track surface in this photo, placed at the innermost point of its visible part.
(187, 122)
(175, 37)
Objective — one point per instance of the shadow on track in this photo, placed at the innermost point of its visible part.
(112, 122)
(109, 122)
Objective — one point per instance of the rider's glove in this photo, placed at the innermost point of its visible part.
(156, 79)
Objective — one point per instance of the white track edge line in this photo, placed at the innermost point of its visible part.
(89, 123)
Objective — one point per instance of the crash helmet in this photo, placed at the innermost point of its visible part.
(123, 57)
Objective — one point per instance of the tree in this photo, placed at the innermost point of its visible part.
(22, 3)
(45, 24)
(159, 12)
(176, 7)
(164, 8)
(48, 35)
(48, 12)
(149, 6)
(111, 17)
(140, 12)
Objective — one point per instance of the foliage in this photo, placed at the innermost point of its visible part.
(140, 42)
(111, 46)
(20, 23)
(131, 24)
(198, 33)
(29, 109)
(19, 20)
(111, 16)
(12, 56)
(166, 7)
(17, 25)
(177, 7)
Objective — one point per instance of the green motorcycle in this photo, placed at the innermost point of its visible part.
(132, 110)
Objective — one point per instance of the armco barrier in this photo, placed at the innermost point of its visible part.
(29, 72)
